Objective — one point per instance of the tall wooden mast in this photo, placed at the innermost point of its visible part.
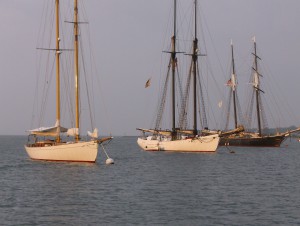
(76, 69)
(174, 65)
(257, 87)
(195, 62)
(57, 70)
(233, 85)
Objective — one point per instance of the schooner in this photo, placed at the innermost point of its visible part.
(179, 138)
(248, 138)
(46, 143)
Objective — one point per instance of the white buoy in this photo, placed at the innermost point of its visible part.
(109, 161)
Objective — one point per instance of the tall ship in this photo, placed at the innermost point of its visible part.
(249, 138)
(57, 143)
(179, 138)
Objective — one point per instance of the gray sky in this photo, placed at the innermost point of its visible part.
(128, 38)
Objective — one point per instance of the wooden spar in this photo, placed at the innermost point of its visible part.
(195, 60)
(173, 59)
(257, 91)
(99, 141)
(233, 89)
(57, 71)
(77, 137)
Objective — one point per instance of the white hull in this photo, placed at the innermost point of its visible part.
(201, 144)
(68, 152)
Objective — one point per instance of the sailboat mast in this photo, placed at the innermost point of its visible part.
(77, 138)
(173, 60)
(257, 90)
(57, 70)
(233, 82)
(195, 60)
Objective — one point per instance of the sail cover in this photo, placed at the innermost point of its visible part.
(93, 134)
(162, 132)
(72, 132)
(48, 131)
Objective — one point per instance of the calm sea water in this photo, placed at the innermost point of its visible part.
(250, 187)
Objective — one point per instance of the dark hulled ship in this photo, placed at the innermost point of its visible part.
(251, 139)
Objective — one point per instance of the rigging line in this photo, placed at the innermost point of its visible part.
(38, 66)
(45, 17)
(40, 118)
(202, 99)
(228, 111)
(213, 77)
(70, 71)
(67, 68)
(47, 85)
(202, 116)
(161, 104)
(36, 96)
(271, 115)
(104, 109)
(199, 112)
(165, 43)
(228, 94)
(86, 85)
(179, 97)
(251, 106)
(160, 87)
(162, 84)
(263, 113)
(179, 83)
(68, 83)
(43, 23)
(273, 101)
(83, 11)
(35, 101)
(248, 98)
(64, 77)
(101, 93)
(45, 90)
(204, 90)
(47, 78)
(240, 112)
(92, 107)
(91, 98)
(182, 15)
(228, 72)
(99, 85)
(212, 41)
(184, 106)
(278, 100)
(92, 72)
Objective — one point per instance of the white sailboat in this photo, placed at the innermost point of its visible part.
(46, 143)
(179, 139)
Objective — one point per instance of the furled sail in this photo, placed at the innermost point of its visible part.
(93, 134)
(72, 132)
(161, 132)
(48, 131)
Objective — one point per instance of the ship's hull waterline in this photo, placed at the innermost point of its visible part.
(66, 152)
(267, 141)
(200, 144)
